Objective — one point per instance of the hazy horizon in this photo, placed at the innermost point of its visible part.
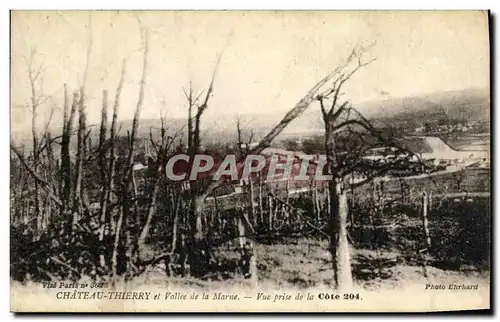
(269, 59)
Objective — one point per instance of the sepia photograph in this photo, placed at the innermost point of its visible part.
(250, 161)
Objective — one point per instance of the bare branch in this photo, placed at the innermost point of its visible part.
(89, 51)
(343, 74)
(204, 105)
(375, 132)
(379, 171)
(322, 104)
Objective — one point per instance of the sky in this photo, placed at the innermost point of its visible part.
(269, 59)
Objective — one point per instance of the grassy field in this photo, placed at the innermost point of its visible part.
(471, 180)
(305, 264)
(468, 180)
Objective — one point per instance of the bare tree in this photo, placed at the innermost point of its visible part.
(244, 147)
(68, 121)
(194, 145)
(340, 117)
(247, 219)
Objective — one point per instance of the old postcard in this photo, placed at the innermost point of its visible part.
(250, 161)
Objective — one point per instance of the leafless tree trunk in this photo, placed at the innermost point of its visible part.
(102, 166)
(161, 161)
(247, 248)
(244, 147)
(128, 184)
(425, 221)
(110, 178)
(80, 154)
(270, 218)
(81, 140)
(198, 197)
(37, 99)
(102, 136)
